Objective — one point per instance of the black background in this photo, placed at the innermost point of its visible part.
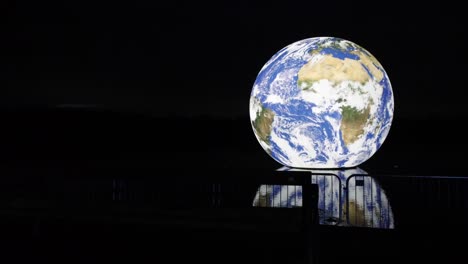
(158, 91)
(200, 59)
(171, 73)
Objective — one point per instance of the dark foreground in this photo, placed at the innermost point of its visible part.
(98, 187)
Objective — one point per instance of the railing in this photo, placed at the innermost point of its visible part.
(366, 203)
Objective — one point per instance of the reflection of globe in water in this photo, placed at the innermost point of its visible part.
(321, 103)
(345, 198)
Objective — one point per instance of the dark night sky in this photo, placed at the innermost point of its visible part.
(190, 59)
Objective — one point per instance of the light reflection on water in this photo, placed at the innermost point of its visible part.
(346, 198)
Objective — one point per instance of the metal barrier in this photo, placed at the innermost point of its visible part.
(366, 203)
(344, 199)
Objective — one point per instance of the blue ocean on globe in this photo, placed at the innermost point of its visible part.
(321, 103)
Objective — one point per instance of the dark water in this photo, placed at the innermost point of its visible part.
(91, 187)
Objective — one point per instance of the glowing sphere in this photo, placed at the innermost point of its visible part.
(321, 103)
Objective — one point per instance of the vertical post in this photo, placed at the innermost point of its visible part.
(310, 220)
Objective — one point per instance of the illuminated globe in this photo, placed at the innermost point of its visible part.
(321, 103)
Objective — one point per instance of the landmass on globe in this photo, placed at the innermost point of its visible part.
(322, 103)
